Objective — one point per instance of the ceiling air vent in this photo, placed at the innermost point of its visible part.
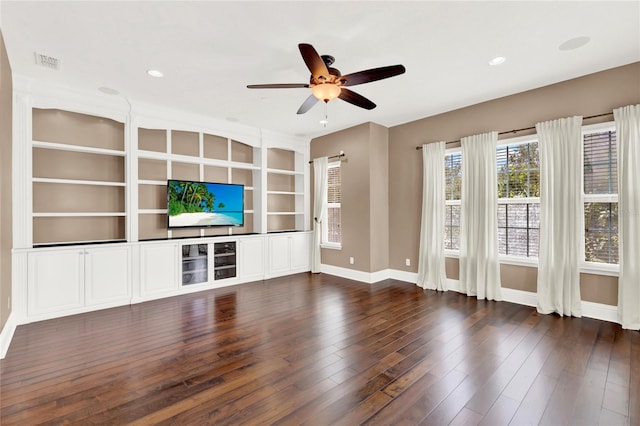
(47, 61)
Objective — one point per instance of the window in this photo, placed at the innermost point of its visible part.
(518, 173)
(600, 197)
(453, 184)
(331, 229)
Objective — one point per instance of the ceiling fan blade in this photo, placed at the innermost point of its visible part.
(372, 75)
(278, 86)
(314, 62)
(355, 99)
(307, 104)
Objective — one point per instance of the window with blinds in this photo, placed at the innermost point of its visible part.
(332, 232)
(518, 172)
(453, 185)
(600, 197)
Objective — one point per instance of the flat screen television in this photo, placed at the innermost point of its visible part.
(204, 204)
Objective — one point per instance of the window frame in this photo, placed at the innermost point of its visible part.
(595, 268)
(449, 151)
(598, 268)
(507, 258)
(325, 223)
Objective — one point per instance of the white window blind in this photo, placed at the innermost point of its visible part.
(453, 185)
(600, 197)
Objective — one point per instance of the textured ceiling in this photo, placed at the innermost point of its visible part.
(209, 52)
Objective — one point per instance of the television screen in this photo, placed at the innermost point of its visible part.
(204, 204)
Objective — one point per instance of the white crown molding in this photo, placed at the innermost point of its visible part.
(272, 139)
(47, 95)
(159, 117)
(118, 107)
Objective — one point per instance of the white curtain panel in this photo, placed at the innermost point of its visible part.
(479, 267)
(431, 272)
(560, 145)
(319, 208)
(628, 135)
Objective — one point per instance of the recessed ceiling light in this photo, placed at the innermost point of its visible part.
(155, 73)
(574, 43)
(108, 90)
(497, 60)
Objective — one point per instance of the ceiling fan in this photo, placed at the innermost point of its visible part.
(328, 83)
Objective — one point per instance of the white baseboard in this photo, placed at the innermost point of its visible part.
(600, 311)
(520, 297)
(410, 277)
(352, 274)
(593, 310)
(7, 334)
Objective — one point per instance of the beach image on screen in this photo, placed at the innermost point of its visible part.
(194, 204)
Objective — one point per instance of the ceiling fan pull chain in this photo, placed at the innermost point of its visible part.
(326, 117)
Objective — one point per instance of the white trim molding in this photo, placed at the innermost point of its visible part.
(599, 311)
(7, 334)
(352, 274)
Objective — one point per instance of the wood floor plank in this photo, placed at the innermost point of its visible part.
(533, 405)
(318, 349)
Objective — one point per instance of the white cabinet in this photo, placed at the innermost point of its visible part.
(300, 252)
(251, 255)
(289, 253)
(68, 280)
(279, 255)
(107, 275)
(159, 268)
(195, 263)
(55, 281)
(225, 261)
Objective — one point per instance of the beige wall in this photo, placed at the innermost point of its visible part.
(5, 184)
(589, 95)
(364, 208)
(379, 197)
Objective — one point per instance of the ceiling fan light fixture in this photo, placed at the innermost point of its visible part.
(325, 91)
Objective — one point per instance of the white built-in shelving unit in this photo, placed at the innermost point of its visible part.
(89, 202)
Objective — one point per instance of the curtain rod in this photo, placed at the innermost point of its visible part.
(342, 154)
(525, 128)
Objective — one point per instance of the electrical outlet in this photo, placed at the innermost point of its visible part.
(407, 262)
(351, 260)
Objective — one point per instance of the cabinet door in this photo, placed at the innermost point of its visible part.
(107, 275)
(55, 281)
(279, 254)
(300, 252)
(159, 266)
(252, 258)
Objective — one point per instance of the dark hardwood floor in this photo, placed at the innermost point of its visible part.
(321, 350)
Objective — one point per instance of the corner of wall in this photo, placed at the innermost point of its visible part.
(379, 196)
(6, 241)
